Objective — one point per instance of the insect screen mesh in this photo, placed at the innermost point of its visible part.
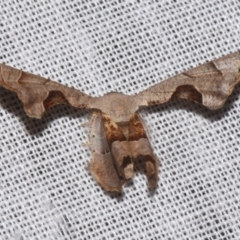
(46, 190)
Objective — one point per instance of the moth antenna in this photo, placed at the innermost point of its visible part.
(86, 124)
(86, 144)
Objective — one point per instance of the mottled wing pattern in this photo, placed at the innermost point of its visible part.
(209, 84)
(39, 94)
(142, 150)
(116, 148)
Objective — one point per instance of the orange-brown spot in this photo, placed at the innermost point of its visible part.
(136, 129)
(113, 132)
(54, 98)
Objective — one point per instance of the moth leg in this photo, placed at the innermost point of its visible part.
(102, 165)
(141, 149)
(86, 124)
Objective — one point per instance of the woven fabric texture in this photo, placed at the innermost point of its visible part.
(46, 189)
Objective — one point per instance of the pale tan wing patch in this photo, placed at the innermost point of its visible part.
(103, 169)
(102, 166)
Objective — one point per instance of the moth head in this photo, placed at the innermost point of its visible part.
(118, 106)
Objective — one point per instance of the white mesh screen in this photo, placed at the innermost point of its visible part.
(46, 190)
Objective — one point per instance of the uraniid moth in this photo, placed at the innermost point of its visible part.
(117, 135)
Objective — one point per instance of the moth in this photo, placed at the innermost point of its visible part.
(117, 135)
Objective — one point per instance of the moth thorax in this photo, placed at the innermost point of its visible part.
(124, 127)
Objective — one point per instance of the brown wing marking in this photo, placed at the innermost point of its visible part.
(187, 92)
